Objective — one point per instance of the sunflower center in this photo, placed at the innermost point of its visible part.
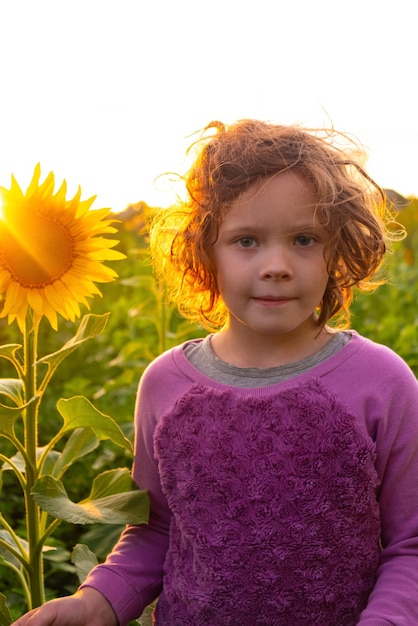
(38, 252)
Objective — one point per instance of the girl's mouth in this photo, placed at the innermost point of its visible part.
(272, 300)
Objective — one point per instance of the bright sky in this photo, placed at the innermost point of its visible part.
(105, 92)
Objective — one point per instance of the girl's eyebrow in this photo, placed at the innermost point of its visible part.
(307, 227)
(243, 229)
(293, 228)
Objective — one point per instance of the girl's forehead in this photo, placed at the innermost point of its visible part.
(285, 192)
(285, 182)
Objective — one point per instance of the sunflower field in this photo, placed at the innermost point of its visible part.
(141, 325)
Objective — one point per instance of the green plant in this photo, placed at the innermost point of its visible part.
(390, 315)
(51, 253)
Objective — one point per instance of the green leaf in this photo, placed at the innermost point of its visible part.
(8, 416)
(112, 482)
(131, 507)
(19, 462)
(12, 388)
(78, 412)
(101, 538)
(10, 351)
(81, 442)
(84, 560)
(51, 460)
(6, 557)
(5, 616)
(90, 326)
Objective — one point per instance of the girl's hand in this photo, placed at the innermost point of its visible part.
(87, 607)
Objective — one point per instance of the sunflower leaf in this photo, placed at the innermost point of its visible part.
(12, 388)
(5, 615)
(84, 560)
(19, 462)
(78, 412)
(129, 507)
(6, 556)
(81, 442)
(10, 351)
(8, 416)
(91, 325)
(111, 483)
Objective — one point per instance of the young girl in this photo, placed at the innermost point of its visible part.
(280, 453)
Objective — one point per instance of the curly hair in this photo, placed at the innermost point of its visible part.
(349, 205)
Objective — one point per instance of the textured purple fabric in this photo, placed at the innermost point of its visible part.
(303, 480)
(275, 518)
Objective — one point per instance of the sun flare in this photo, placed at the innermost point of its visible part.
(51, 251)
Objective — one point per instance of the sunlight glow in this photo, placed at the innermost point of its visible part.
(51, 251)
(38, 250)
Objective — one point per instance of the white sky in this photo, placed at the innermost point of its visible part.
(105, 92)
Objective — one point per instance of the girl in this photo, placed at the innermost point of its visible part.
(280, 453)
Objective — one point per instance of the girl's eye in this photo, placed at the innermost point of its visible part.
(305, 240)
(246, 242)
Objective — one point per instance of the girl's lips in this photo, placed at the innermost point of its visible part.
(272, 300)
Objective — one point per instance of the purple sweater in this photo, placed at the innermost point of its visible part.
(294, 504)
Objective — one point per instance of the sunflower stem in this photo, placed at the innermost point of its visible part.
(35, 570)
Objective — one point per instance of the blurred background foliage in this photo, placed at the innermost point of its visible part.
(390, 314)
(141, 326)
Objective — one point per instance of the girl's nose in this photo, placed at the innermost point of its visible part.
(276, 265)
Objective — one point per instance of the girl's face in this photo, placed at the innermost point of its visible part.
(270, 265)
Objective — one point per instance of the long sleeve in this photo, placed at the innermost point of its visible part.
(381, 390)
(395, 596)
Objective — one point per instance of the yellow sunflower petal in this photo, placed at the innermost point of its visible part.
(21, 321)
(36, 301)
(88, 288)
(53, 296)
(83, 206)
(52, 317)
(15, 189)
(15, 305)
(34, 183)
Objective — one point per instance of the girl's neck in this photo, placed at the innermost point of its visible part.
(266, 351)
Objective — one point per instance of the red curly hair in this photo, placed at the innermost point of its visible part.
(349, 204)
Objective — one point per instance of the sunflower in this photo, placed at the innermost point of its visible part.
(51, 251)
